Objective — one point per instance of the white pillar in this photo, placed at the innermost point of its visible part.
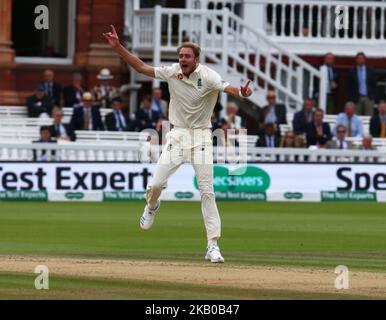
(157, 42)
(254, 14)
(225, 48)
(323, 88)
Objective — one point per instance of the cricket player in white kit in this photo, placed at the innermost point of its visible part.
(194, 90)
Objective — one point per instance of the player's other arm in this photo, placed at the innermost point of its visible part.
(132, 60)
(239, 92)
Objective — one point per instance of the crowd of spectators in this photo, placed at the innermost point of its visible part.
(310, 130)
(50, 97)
(308, 126)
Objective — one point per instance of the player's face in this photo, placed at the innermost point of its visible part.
(188, 62)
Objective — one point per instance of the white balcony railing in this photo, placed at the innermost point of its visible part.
(97, 152)
(234, 48)
(307, 26)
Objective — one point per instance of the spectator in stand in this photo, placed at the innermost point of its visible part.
(72, 95)
(52, 88)
(269, 139)
(87, 116)
(59, 130)
(367, 143)
(350, 120)
(104, 93)
(234, 120)
(288, 140)
(45, 137)
(332, 81)
(117, 120)
(222, 138)
(362, 86)
(340, 142)
(146, 117)
(158, 104)
(39, 105)
(304, 117)
(318, 132)
(378, 121)
(273, 112)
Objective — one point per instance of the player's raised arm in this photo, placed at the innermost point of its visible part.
(132, 60)
(242, 92)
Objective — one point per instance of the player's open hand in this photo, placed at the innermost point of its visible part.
(112, 37)
(245, 90)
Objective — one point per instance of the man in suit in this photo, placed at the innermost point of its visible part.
(159, 104)
(362, 86)
(350, 120)
(340, 141)
(72, 95)
(59, 130)
(273, 112)
(52, 88)
(87, 116)
(45, 137)
(268, 139)
(39, 105)
(304, 117)
(146, 117)
(378, 121)
(318, 132)
(117, 120)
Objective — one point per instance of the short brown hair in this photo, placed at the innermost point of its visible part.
(360, 54)
(195, 47)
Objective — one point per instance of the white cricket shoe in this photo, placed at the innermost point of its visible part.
(148, 215)
(214, 255)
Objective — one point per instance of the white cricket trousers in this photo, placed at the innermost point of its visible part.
(195, 146)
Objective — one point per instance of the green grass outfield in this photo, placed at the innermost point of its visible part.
(321, 235)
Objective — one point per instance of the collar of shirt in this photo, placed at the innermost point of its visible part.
(339, 142)
(361, 70)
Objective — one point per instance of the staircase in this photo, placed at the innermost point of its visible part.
(231, 47)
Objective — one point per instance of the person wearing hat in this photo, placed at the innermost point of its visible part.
(87, 116)
(104, 93)
(39, 105)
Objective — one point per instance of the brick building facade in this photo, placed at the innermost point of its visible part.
(91, 53)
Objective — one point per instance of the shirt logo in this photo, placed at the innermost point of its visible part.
(180, 76)
(199, 83)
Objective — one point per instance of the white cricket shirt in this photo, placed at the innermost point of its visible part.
(192, 99)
